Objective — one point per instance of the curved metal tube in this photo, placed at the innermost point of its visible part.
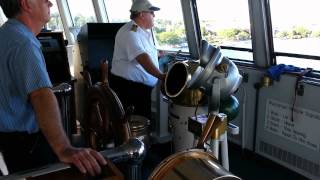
(218, 68)
(133, 150)
(227, 72)
(230, 79)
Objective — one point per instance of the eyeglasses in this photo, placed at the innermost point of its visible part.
(151, 12)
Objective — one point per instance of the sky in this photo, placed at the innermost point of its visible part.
(304, 12)
(234, 12)
(120, 8)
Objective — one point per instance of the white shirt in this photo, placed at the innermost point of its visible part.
(128, 45)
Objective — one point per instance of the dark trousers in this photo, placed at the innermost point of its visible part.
(22, 151)
(132, 93)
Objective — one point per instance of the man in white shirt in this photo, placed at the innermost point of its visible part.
(135, 68)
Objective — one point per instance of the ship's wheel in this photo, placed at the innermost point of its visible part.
(106, 120)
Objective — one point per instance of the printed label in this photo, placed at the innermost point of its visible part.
(303, 128)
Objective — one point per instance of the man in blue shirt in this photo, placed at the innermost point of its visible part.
(29, 114)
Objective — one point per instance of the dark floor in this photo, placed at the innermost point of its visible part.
(155, 155)
(250, 167)
(242, 164)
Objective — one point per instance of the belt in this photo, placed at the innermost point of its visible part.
(119, 80)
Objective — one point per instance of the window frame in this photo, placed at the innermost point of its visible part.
(107, 14)
(71, 17)
(187, 29)
(274, 54)
(60, 16)
(223, 47)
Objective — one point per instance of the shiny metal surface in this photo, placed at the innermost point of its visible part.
(139, 129)
(191, 164)
(63, 87)
(134, 149)
(63, 93)
(61, 171)
(202, 75)
(176, 80)
(207, 53)
(131, 153)
(227, 72)
(179, 74)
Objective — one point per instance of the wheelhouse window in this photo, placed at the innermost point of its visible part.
(296, 32)
(82, 12)
(55, 23)
(226, 23)
(169, 28)
(118, 11)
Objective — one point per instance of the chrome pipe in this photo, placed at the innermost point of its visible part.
(133, 150)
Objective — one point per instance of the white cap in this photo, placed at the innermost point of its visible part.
(143, 5)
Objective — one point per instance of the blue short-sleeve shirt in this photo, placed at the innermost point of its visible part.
(22, 70)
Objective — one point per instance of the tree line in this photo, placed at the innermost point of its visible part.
(169, 32)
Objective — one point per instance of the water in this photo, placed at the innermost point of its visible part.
(305, 46)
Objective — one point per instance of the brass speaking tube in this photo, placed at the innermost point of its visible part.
(202, 74)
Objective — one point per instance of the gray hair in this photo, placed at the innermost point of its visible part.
(10, 8)
(133, 15)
